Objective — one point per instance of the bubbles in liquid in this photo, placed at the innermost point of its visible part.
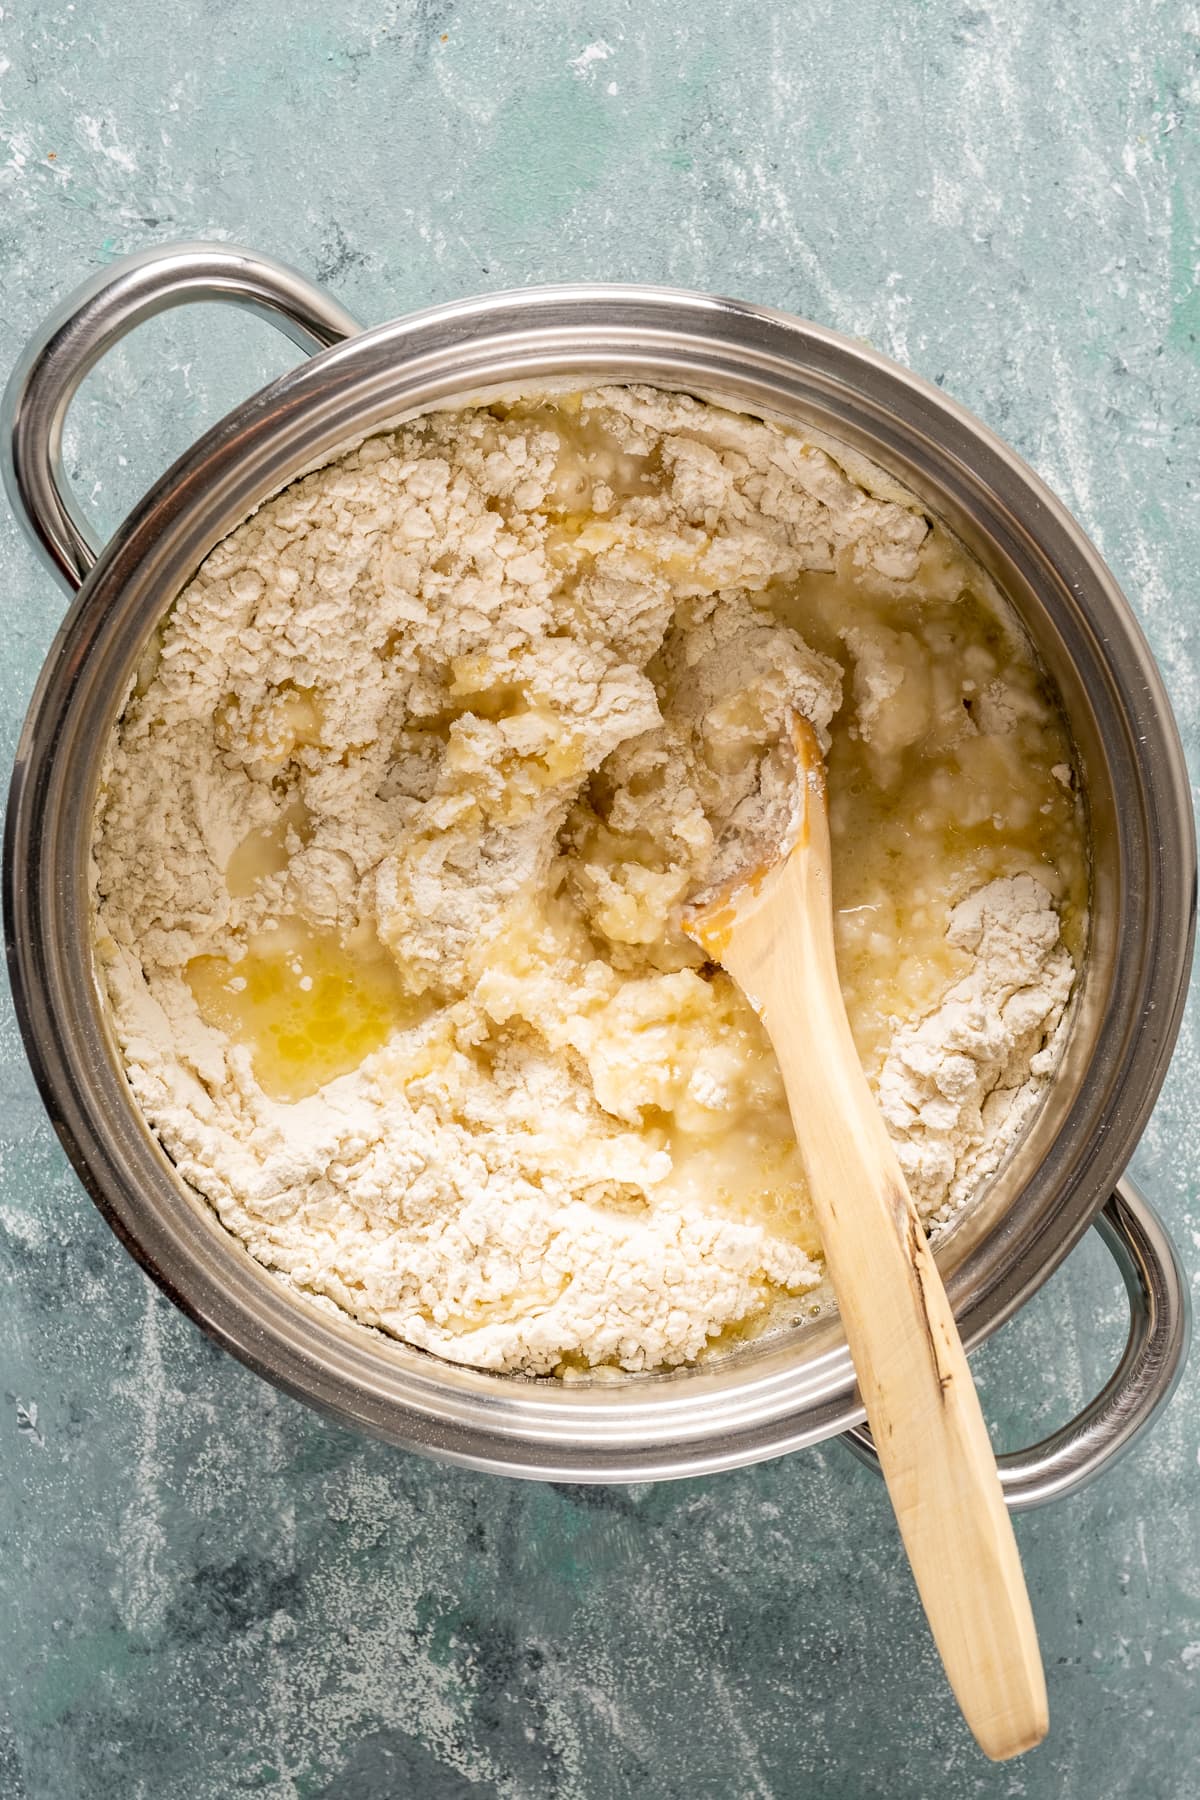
(308, 1006)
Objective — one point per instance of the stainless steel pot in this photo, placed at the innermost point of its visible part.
(785, 1392)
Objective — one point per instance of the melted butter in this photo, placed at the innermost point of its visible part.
(588, 457)
(527, 1303)
(918, 828)
(750, 1172)
(265, 852)
(308, 1006)
(296, 719)
(149, 660)
(289, 720)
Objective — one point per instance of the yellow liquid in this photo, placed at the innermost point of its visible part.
(307, 1006)
(264, 852)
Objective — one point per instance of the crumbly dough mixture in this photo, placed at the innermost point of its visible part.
(400, 814)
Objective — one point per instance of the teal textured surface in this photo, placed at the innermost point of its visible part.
(207, 1590)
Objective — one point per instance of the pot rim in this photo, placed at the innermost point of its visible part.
(682, 1422)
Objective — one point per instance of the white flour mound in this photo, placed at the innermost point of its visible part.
(960, 1083)
(457, 707)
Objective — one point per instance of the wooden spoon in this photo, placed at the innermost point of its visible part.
(771, 926)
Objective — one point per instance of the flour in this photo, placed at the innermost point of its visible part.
(396, 827)
(959, 1084)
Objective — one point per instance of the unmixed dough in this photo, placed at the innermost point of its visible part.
(399, 816)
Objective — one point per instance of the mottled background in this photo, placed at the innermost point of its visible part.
(206, 1590)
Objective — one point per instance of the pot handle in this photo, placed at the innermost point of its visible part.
(88, 324)
(1140, 1385)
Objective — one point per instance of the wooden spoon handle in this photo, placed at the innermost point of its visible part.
(921, 1403)
(772, 927)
